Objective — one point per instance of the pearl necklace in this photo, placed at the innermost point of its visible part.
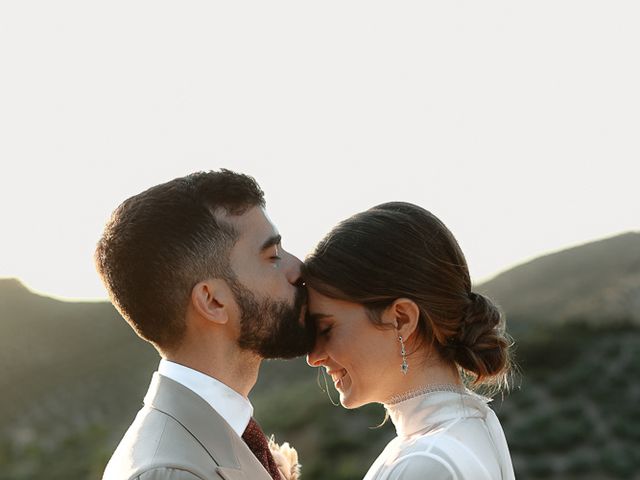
(394, 400)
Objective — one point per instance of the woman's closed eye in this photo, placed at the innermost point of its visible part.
(322, 322)
(323, 331)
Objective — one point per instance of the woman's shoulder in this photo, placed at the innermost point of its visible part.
(420, 465)
(444, 454)
(461, 440)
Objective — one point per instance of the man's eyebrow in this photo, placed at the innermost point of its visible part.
(270, 242)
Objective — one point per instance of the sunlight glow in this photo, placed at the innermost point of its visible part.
(516, 124)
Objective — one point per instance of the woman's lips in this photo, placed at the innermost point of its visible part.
(337, 376)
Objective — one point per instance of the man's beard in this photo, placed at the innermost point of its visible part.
(272, 328)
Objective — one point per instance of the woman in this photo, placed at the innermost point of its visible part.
(398, 324)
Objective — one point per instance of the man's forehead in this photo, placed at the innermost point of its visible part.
(254, 226)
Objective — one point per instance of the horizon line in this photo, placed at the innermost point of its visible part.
(475, 284)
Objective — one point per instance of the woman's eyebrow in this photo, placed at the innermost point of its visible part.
(319, 316)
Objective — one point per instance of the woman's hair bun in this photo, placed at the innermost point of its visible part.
(481, 346)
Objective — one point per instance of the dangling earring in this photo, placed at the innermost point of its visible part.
(403, 352)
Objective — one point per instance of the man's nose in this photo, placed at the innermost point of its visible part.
(295, 269)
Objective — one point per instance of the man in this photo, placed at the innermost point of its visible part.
(196, 267)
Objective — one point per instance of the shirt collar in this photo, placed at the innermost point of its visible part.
(230, 405)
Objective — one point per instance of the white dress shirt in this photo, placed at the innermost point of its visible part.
(444, 435)
(230, 405)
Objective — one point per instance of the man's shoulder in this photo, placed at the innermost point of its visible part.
(178, 432)
(167, 473)
(157, 446)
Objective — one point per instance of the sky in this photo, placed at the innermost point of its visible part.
(516, 123)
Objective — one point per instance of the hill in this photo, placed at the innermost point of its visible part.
(596, 282)
(74, 375)
(66, 371)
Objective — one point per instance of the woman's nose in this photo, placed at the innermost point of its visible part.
(317, 356)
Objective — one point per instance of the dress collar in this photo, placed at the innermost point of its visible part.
(427, 410)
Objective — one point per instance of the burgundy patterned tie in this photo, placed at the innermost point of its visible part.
(255, 439)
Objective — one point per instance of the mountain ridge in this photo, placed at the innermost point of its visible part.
(597, 281)
(74, 375)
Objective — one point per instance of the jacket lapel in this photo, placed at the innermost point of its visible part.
(233, 458)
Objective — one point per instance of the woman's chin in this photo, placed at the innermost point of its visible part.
(351, 399)
(347, 398)
(347, 402)
(343, 386)
(350, 402)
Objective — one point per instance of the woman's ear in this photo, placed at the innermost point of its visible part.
(404, 315)
(211, 300)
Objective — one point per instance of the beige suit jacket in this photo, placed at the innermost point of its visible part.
(178, 436)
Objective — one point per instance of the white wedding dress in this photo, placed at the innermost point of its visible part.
(444, 435)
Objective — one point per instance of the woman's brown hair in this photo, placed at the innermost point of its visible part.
(399, 250)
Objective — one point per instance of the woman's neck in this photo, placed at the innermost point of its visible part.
(425, 375)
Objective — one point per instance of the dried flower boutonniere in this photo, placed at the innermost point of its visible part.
(286, 459)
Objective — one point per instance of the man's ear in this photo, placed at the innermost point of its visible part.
(211, 300)
(403, 314)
